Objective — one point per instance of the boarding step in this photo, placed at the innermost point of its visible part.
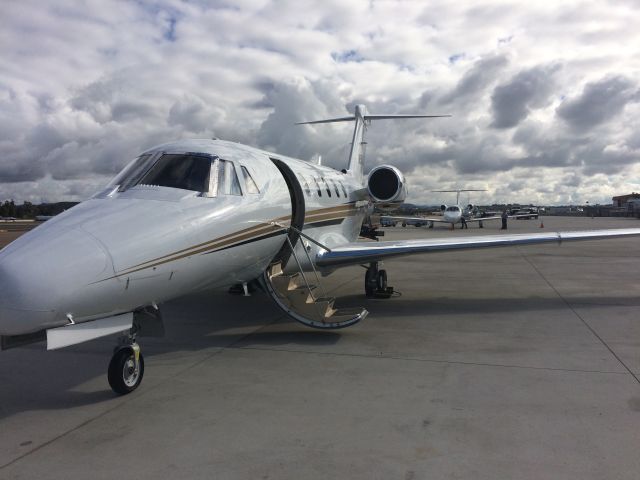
(289, 282)
(295, 296)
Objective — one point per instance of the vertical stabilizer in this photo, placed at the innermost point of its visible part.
(356, 156)
(358, 145)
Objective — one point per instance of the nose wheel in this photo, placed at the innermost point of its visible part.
(375, 282)
(126, 369)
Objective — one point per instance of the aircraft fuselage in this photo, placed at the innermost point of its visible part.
(123, 250)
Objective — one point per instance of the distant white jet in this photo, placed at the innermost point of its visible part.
(451, 214)
(200, 214)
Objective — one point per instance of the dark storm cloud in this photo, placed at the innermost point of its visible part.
(482, 74)
(529, 89)
(22, 170)
(599, 102)
(298, 101)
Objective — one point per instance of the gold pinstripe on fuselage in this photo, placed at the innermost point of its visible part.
(244, 235)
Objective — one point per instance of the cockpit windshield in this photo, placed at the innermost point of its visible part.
(189, 172)
(207, 174)
(130, 175)
(454, 208)
(186, 171)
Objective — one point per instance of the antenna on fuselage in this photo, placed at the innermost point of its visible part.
(363, 120)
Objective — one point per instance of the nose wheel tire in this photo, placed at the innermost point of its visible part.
(126, 370)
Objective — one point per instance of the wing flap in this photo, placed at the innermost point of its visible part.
(364, 252)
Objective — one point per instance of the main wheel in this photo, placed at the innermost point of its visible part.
(123, 375)
(381, 280)
(369, 283)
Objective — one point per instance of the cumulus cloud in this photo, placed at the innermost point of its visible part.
(544, 99)
(482, 73)
(599, 102)
(512, 102)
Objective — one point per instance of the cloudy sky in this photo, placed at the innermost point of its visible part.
(544, 96)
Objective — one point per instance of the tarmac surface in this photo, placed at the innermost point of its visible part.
(520, 362)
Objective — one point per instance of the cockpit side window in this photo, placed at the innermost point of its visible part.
(185, 171)
(227, 179)
(132, 173)
(249, 183)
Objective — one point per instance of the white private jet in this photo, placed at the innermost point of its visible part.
(201, 214)
(451, 214)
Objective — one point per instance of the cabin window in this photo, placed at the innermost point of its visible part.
(249, 183)
(326, 186)
(185, 171)
(335, 187)
(344, 190)
(317, 186)
(307, 190)
(226, 181)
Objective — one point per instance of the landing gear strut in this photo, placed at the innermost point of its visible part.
(375, 282)
(126, 367)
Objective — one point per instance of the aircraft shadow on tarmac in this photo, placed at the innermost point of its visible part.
(33, 379)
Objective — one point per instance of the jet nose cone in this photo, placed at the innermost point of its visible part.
(39, 272)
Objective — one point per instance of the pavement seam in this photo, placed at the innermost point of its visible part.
(423, 360)
(584, 322)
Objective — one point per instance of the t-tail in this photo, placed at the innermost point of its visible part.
(362, 120)
(457, 192)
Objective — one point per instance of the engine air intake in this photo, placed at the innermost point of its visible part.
(386, 184)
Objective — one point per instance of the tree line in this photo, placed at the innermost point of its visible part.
(28, 210)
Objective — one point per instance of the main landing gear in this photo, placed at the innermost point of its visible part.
(126, 367)
(375, 282)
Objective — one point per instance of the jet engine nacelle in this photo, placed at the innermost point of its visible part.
(443, 207)
(386, 185)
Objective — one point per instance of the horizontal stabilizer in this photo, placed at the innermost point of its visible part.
(362, 119)
(370, 117)
(460, 190)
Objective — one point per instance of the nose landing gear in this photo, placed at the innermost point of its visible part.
(375, 282)
(126, 368)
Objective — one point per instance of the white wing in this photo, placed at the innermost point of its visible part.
(481, 219)
(357, 253)
(414, 219)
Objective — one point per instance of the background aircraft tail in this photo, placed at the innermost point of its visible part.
(457, 192)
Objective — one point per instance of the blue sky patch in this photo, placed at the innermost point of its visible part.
(347, 56)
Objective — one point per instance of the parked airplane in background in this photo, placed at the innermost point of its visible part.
(200, 214)
(451, 214)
